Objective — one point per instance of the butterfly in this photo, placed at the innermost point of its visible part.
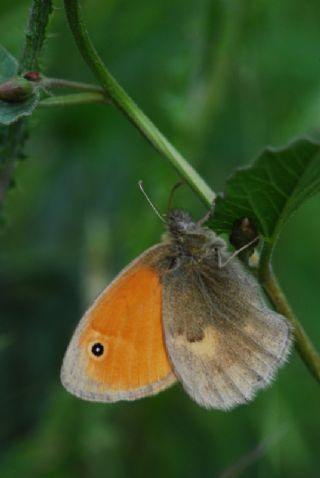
(181, 311)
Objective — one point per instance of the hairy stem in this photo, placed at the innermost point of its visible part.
(13, 136)
(302, 342)
(127, 106)
(35, 34)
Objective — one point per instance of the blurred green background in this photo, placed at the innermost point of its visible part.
(221, 79)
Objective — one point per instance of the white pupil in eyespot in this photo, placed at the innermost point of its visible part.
(97, 349)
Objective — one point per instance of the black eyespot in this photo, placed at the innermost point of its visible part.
(97, 349)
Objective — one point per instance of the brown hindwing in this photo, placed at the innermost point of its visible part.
(223, 342)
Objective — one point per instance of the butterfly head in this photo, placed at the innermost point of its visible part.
(180, 222)
(191, 236)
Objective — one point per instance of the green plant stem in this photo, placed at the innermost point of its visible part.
(74, 99)
(270, 284)
(35, 34)
(127, 106)
(68, 84)
(14, 136)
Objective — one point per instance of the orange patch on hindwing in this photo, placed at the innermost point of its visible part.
(126, 320)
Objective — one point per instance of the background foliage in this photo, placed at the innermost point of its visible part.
(222, 80)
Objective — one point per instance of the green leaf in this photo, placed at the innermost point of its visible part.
(271, 189)
(11, 112)
(8, 65)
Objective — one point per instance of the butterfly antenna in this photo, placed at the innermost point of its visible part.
(150, 203)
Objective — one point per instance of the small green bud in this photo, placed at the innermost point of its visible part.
(16, 89)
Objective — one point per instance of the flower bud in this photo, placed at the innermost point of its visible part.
(16, 89)
(243, 231)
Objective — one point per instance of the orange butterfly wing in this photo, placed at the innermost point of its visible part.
(124, 329)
